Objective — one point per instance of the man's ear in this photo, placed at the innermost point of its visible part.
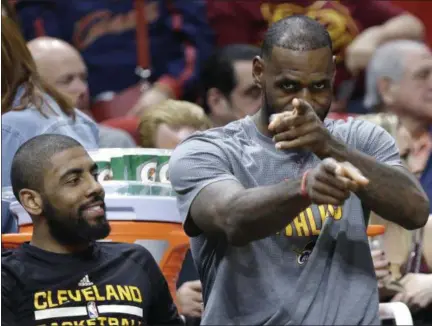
(31, 201)
(216, 101)
(387, 90)
(334, 69)
(258, 67)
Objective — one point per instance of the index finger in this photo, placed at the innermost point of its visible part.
(300, 106)
(352, 173)
(277, 119)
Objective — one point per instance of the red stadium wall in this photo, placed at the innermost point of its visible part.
(423, 10)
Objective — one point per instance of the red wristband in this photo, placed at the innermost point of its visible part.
(303, 190)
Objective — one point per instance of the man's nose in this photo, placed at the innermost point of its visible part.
(304, 94)
(95, 188)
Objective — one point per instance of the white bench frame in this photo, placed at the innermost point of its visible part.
(397, 311)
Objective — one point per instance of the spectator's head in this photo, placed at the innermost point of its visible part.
(410, 150)
(229, 92)
(296, 62)
(168, 123)
(19, 70)
(399, 79)
(55, 180)
(62, 66)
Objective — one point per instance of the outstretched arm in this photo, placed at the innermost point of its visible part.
(393, 192)
(213, 201)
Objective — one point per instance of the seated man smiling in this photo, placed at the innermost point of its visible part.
(63, 276)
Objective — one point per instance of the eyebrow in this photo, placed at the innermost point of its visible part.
(295, 81)
(69, 172)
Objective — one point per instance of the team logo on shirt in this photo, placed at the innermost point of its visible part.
(92, 310)
(310, 222)
(303, 256)
(89, 304)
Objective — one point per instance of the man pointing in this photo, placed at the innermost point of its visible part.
(277, 212)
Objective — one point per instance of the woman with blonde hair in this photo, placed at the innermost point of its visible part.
(31, 107)
(168, 123)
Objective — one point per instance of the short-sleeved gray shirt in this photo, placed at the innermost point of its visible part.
(280, 280)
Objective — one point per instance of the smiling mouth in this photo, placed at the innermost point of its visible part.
(94, 210)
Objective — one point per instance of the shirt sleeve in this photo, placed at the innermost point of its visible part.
(7, 287)
(374, 13)
(162, 310)
(195, 164)
(376, 142)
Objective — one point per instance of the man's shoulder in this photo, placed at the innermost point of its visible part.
(351, 127)
(12, 255)
(27, 122)
(17, 119)
(13, 263)
(225, 136)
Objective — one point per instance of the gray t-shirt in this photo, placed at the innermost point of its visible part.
(280, 280)
(114, 138)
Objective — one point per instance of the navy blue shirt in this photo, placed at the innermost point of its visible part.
(104, 32)
(107, 284)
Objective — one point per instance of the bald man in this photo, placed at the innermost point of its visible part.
(62, 66)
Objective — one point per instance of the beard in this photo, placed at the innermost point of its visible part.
(267, 107)
(74, 229)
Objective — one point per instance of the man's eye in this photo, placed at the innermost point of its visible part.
(74, 181)
(319, 86)
(288, 86)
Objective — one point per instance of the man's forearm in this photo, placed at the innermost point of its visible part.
(405, 26)
(260, 212)
(391, 193)
(401, 27)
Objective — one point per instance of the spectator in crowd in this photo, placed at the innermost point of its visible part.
(399, 80)
(63, 266)
(228, 90)
(165, 126)
(254, 195)
(395, 254)
(61, 66)
(104, 32)
(168, 123)
(30, 106)
(357, 28)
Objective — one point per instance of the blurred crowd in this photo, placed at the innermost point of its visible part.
(141, 73)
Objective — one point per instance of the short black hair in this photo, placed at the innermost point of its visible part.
(297, 33)
(218, 71)
(33, 157)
